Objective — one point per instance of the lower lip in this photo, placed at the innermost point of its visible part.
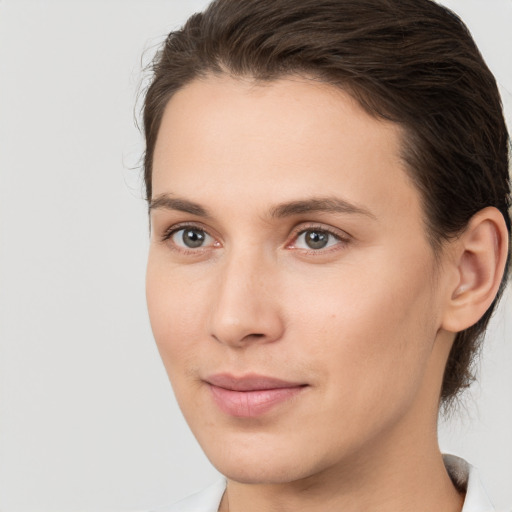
(249, 404)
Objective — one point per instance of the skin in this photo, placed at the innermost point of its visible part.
(366, 323)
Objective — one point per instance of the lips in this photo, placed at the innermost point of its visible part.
(251, 395)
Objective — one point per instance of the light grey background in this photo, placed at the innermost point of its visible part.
(87, 418)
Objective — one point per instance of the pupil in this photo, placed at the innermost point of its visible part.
(316, 239)
(193, 238)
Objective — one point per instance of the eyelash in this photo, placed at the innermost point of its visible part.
(342, 239)
(170, 232)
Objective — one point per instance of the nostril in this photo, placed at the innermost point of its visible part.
(240, 341)
(253, 336)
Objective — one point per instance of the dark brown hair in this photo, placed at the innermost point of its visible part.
(412, 62)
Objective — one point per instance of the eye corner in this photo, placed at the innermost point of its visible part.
(322, 239)
(189, 239)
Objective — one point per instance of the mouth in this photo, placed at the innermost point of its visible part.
(252, 395)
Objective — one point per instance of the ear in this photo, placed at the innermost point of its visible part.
(480, 255)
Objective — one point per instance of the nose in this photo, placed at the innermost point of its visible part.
(246, 306)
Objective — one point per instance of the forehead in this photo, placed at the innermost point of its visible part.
(275, 141)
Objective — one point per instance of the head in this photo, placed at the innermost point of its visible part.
(410, 87)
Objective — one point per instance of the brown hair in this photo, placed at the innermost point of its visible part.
(409, 61)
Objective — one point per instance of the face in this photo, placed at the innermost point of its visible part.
(290, 283)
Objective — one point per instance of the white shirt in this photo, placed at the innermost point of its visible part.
(459, 470)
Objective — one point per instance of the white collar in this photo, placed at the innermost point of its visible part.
(465, 476)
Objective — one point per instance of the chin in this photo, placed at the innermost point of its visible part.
(255, 472)
(265, 463)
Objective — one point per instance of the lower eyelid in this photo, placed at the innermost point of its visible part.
(210, 241)
(338, 243)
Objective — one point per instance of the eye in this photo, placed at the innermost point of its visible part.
(315, 239)
(190, 237)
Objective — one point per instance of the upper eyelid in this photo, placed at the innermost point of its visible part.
(169, 231)
(336, 232)
(342, 238)
(166, 239)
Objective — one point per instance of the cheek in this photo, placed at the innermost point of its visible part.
(174, 307)
(372, 326)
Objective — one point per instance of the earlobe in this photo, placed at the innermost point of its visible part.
(480, 258)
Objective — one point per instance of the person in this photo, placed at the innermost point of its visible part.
(328, 190)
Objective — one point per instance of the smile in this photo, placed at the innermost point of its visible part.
(252, 395)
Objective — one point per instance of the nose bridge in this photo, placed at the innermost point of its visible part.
(245, 306)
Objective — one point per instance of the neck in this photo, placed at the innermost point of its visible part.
(396, 481)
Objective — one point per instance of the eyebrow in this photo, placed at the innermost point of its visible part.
(168, 202)
(319, 205)
(310, 205)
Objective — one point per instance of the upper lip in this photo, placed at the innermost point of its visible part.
(251, 382)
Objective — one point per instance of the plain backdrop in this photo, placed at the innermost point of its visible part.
(88, 421)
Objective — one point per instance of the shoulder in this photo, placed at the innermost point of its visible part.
(207, 500)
